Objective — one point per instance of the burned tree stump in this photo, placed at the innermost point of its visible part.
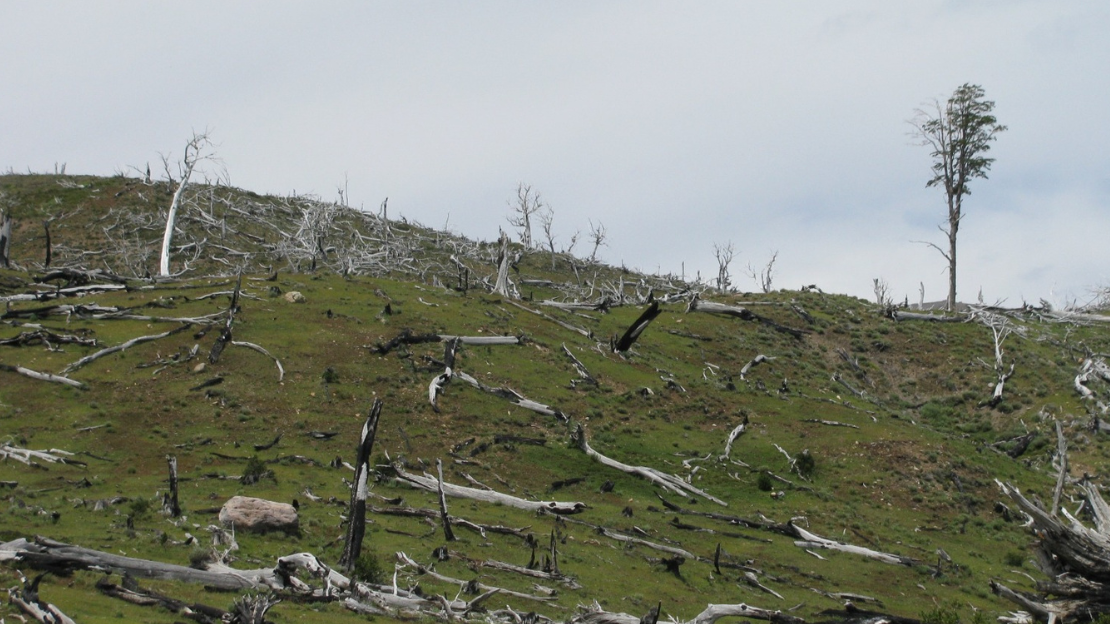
(356, 518)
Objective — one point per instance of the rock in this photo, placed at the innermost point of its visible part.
(257, 514)
(199, 368)
(294, 296)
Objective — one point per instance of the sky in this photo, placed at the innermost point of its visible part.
(777, 127)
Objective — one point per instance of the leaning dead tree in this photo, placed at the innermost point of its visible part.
(625, 342)
(196, 150)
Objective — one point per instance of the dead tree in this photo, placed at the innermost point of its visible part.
(196, 150)
(170, 505)
(502, 286)
(5, 239)
(598, 237)
(633, 332)
(225, 333)
(528, 205)
(724, 254)
(356, 517)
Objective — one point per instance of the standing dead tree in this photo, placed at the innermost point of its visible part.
(528, 205)
(356, 519)
(724, 254)
(197, 150)
(1001, 327)
(599, 237)
(5, 239)
(635, 329)
(765, 277)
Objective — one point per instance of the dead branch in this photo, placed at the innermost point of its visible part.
(431, 484)
(121, 347)
(251, 345)
(668, 482)
(26, 372)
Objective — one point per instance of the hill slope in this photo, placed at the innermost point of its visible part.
(895, 417)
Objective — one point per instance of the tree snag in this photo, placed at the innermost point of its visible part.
(170, 506)
(356, 515)
(633, 332)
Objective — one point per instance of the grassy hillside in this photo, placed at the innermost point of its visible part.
(906, 468)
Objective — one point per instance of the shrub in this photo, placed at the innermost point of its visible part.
(942, 614)
(1014, 559)
(369, 569)
(255, 471)
(805, 464)
(140, 507)
(764, 482)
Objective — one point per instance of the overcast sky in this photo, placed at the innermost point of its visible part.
(777, 126)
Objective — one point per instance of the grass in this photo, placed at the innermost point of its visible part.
(917, 474)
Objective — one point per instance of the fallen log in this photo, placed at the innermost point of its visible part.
(431, 484)
(668, 482)
(574, 328)
(584, 375)
(473, 585)
(26, 372)
(28, 601)
(757, 360)
(810, 540)
(698, 305)
(732, 436)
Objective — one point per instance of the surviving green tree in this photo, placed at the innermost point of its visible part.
(959, 134)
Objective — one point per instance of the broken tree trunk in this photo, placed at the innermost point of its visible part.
(356, 515)
(448, 534)
(584, 375)
(170, 506)
(502, 286)
(756, 361)
(431, 484)
(668, 482)
(512, 395)
(1062, 472)
(5, 240)
(28, 601)
(736, 433)
(442, 379)
(225, 333)
(633, 332)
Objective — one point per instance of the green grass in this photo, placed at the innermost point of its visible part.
(893, 484)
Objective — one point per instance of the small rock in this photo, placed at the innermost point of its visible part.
(294, 296)
(199, 368)
(260, 515)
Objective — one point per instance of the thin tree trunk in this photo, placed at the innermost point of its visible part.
(171, 216)
(5, 240)
(356, 518)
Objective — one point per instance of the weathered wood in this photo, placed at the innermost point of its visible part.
(431, 484)
(625, 342)
(28, 601)
(46, 554)
(445, 519)
(145, 597)
(251, 345)
(442, 379)
(46, 337)
(356, 517)
(757, 360)
(503, 285)
(732, 436)
(1062, 471)
(170, 506)
(225, 332)
(584, 375)
(5, 240)
(475, 584)
(92, 357)
(574, 328)
(668, 482)
(711, 307)
(810, 540)
(512, 395)
(26, 372)
(53, 456)
(902, 315)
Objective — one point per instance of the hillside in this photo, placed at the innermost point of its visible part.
(864, 425)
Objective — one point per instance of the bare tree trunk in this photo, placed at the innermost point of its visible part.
(192, 156)
(356, 517)
(5, 240)
(953, 226)
(448, 534)
(169, 504)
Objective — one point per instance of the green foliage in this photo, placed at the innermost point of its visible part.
(255, 471)
(764, 482)
(369, 569)
(941, 614)
(805, 464)
(140, 508)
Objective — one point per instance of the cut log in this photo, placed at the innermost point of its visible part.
(431, 484)
(668, 482)
(356, 519)
(625, 342)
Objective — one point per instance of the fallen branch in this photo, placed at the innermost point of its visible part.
(121, 347)
(26, 372)
(251, 345)
(668, 482)
(431, 484)
(512, 395)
